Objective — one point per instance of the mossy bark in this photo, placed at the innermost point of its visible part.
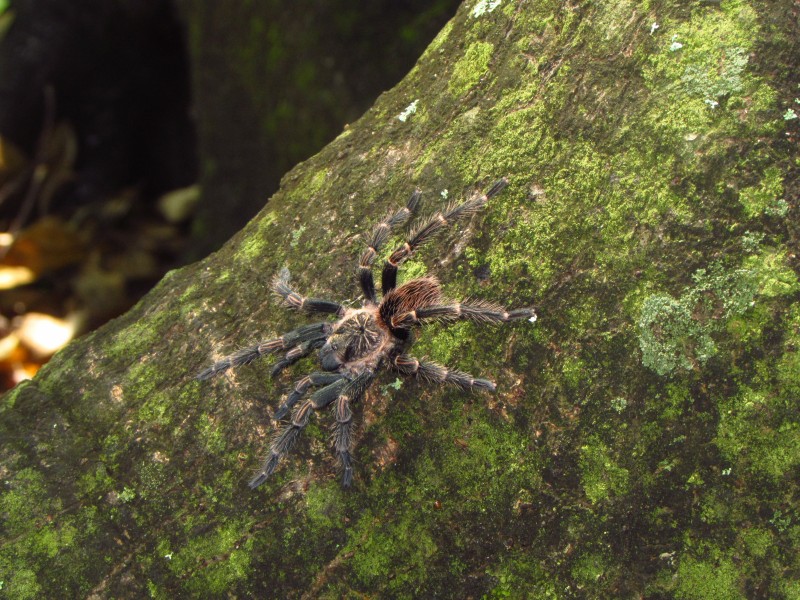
(644, 440)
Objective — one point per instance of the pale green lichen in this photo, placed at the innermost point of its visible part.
(408, 111)
(296, 235)
(678, 333)
(484, 6)
(669, 337)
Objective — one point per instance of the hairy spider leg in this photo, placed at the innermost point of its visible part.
(380, 234)
(436, 373)
(343, 426)
(437, 222)
(286, 438)
(280, 285)
(478, 311)
(286, 342)
(343, 438)
(301, 387)
(295, 354)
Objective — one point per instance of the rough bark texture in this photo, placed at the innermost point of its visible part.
(644, 440)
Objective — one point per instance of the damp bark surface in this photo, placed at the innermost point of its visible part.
(644, 438)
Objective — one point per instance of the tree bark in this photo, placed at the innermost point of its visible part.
(644, 439)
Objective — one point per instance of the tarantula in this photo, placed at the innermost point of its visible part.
(363, 340)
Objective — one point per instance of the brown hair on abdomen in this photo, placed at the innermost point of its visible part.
(412, 295)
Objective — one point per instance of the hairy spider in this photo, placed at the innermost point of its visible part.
(363, 340)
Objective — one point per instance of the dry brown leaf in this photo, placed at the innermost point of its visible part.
(47, 245)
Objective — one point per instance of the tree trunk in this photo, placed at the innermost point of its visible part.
(644, 438)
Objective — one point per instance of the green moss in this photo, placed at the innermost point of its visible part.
(471, 67)
(252, 248)
(25, 502)
(775, 278)
(35, 536)
(766, 198)
(601, 477)
(519, 578)
(9, 399)
(574, 372)
(190, 293)
(211, 435)
(412, 269)
(741, 434)
(266, 220)
(254, 244)
(757, 541)
(97, 482)
(714, 510)
(589, 568)
(447, 344)
(324, 505)
(701, 580)
(317, 182)
(406, 541)
(758, 431)
(788, 365)
(790, 589)
(214, 561)
(140, 337)
(23, 586)
(154, 410)
(488, 463)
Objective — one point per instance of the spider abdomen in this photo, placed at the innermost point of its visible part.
(414, 294)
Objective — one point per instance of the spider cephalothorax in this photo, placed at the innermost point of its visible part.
(364, 340)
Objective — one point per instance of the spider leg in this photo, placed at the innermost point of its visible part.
(425, 232)
(280, 285)
(286, 438)
(343, 438)
(436, 373)
(479, 311)
(295, 354)
(301, 387)
(296, 337)
(380, 234)
(343, 428)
